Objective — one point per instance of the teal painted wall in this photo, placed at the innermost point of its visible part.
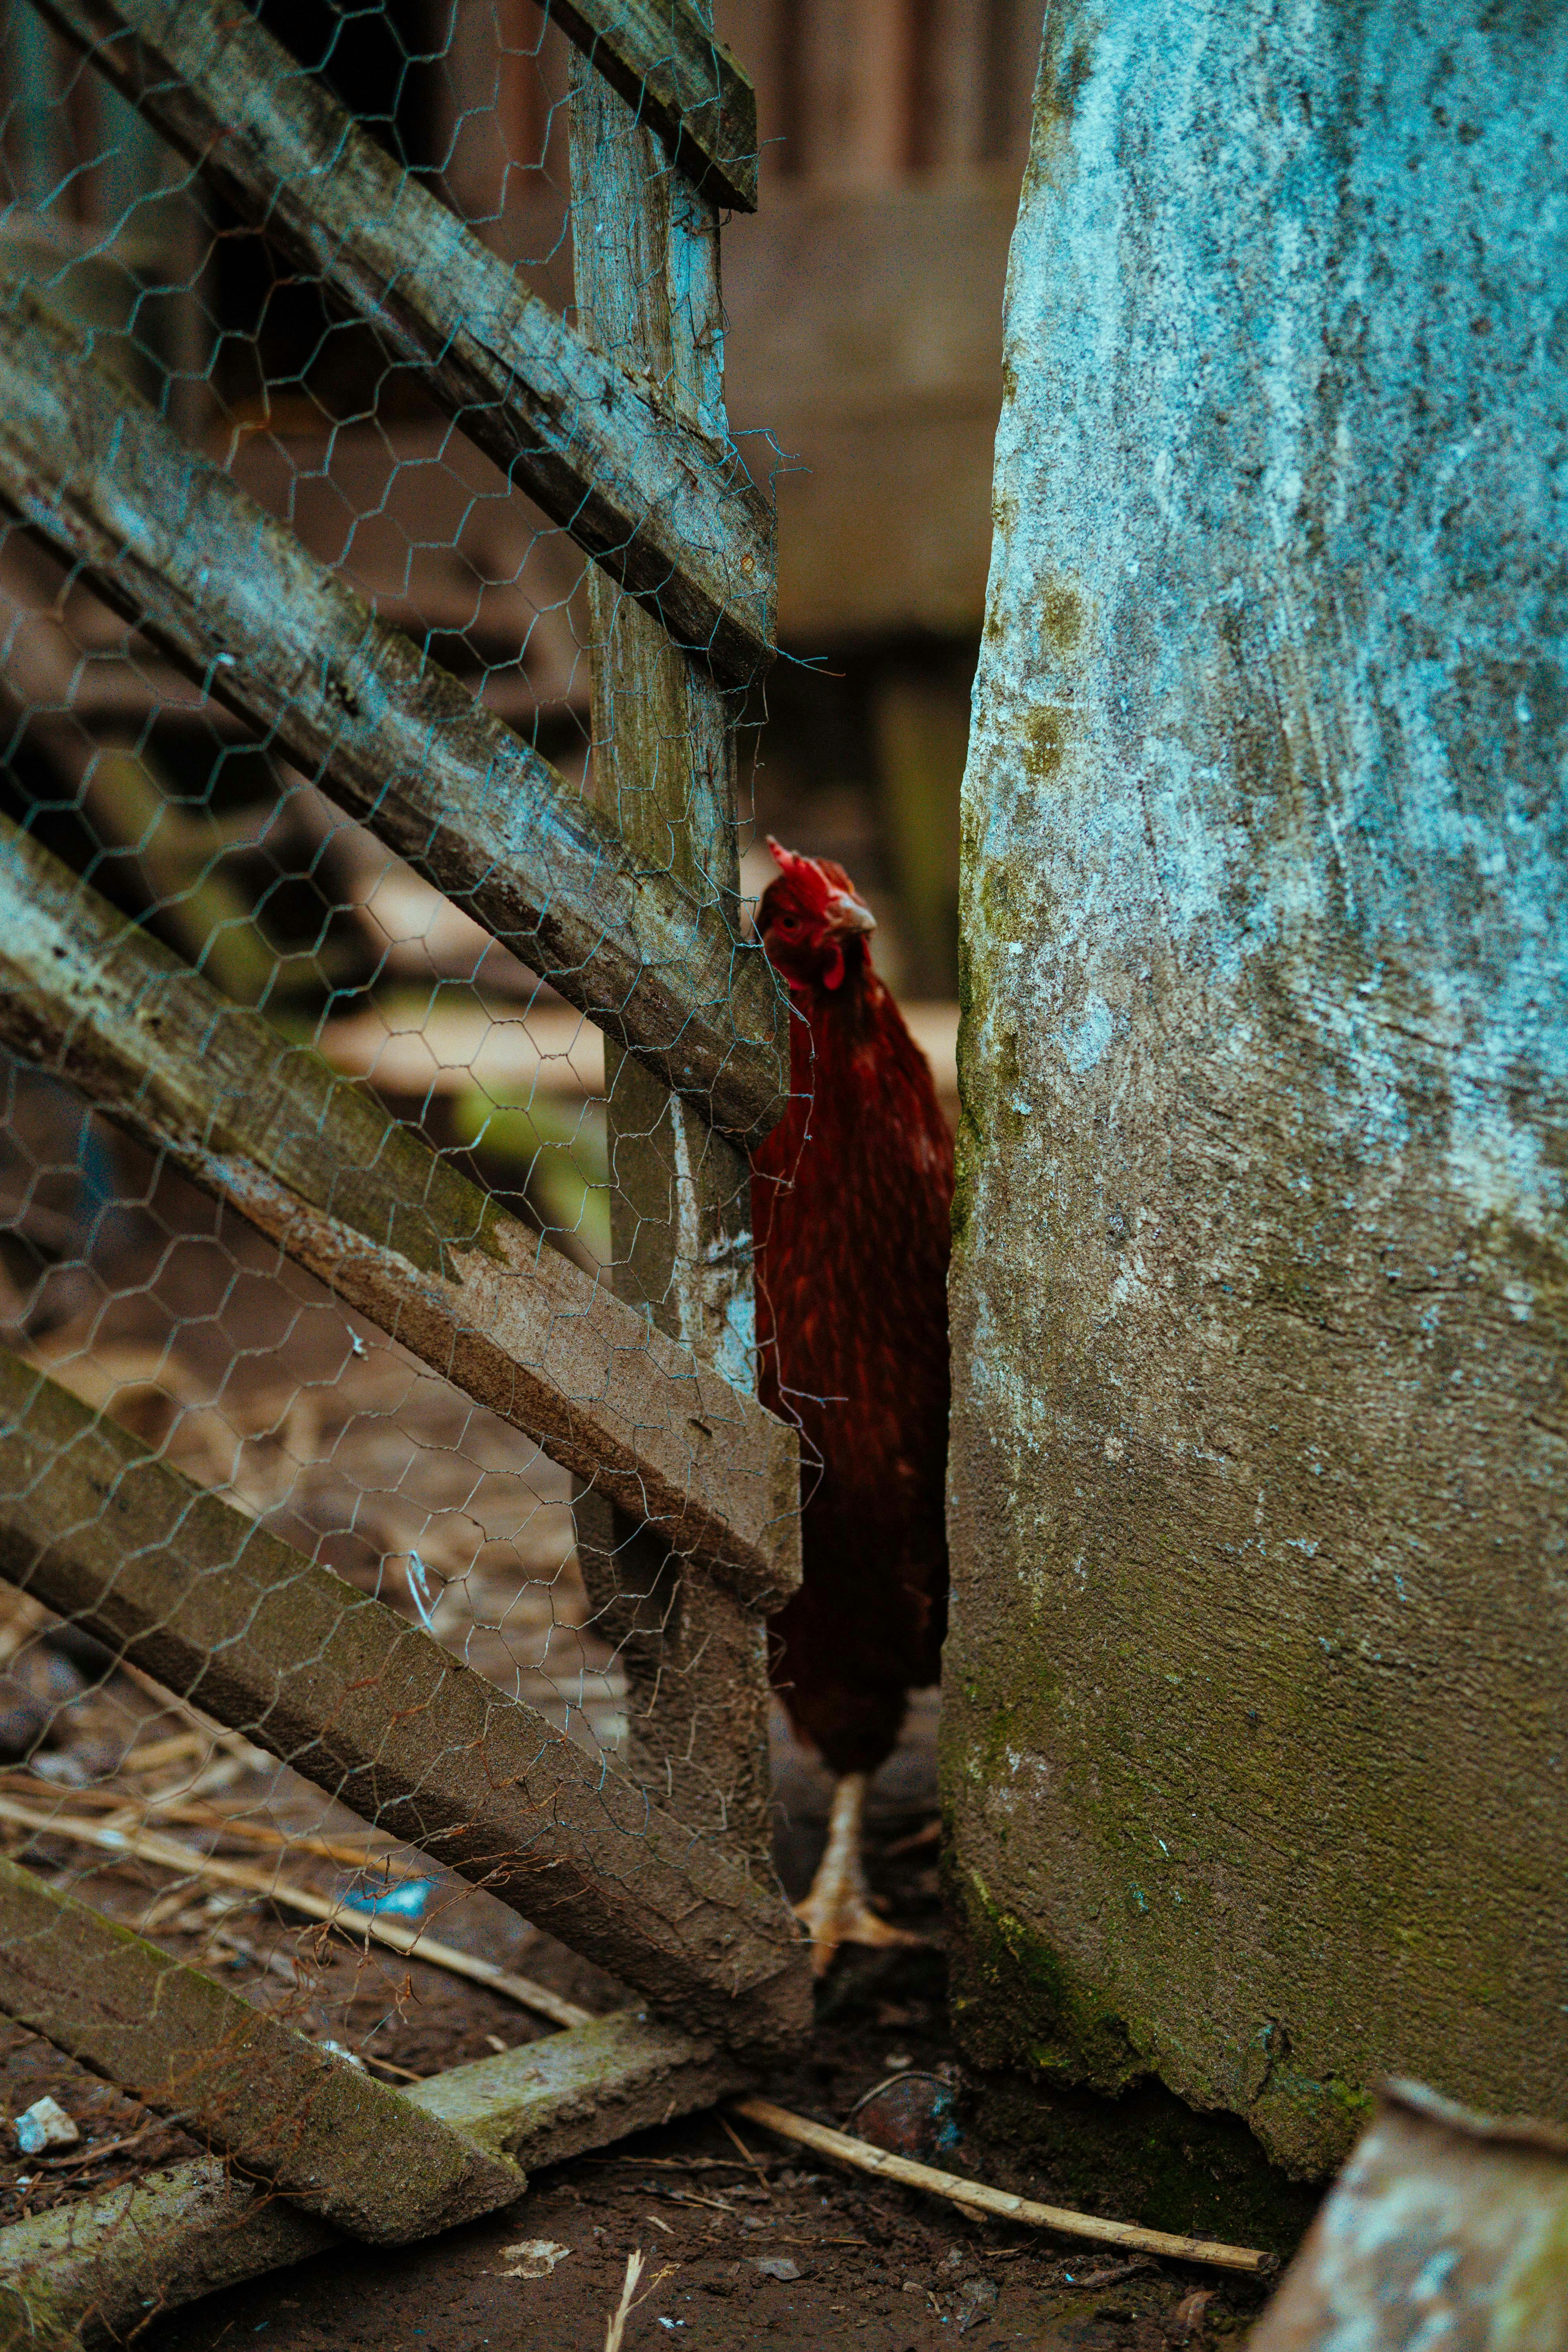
(1255, 1735)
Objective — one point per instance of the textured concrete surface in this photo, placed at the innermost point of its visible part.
(1254, 1715)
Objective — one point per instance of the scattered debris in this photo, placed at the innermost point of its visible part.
(342, 2050)
(976, 2301)
(532, 2258)
(778, 2266)
(148, 1846)
(37, 1687)
(1111, 2276)
(615, 2330)
(910, 2114)
(45, 2125)
(409, 1899)
(753, 2162)
(1190, 2316)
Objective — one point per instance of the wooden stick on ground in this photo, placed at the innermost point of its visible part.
(145, 1845)
(996, 2204)
(132, 1810)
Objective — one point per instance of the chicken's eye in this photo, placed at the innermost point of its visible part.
(789, 923)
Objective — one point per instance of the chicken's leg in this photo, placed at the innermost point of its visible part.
(838, 1910)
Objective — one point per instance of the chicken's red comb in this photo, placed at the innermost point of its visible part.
(790, 861)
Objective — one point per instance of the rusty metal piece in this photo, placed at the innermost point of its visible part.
(1445, 2228)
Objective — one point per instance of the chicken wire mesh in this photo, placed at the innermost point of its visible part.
(141, 1280)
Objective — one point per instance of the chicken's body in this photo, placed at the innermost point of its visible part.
(852, 1201)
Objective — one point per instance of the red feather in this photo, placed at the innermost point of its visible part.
(853, 1197)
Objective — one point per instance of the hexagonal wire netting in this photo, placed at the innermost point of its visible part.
(192, 862)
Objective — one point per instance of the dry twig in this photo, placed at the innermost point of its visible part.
(372, 1852)
(756, 2164)
(630, 2299)
(143, 1845)
(997, 2204)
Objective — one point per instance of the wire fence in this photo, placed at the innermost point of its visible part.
(387, 1520)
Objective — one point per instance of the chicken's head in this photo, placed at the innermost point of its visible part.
(812, 923)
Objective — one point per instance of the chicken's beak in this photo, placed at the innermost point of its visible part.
(847, 914)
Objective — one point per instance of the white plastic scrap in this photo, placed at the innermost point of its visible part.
(45, 2125)
(342, 2050)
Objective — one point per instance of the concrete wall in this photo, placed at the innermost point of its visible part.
(1255, 1709)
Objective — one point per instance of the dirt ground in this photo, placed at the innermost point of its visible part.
(754, 2239)
(742, 2242)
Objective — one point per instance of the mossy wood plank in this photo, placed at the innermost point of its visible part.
(374, 1711)
(312, 1160)
(645, 255)
(234, 600)
(87, 2273)
(346, 2147)
(676, 518)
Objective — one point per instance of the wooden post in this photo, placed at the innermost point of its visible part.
(646, 260)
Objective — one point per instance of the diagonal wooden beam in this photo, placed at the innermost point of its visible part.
(171, 542)
(313, 1160)
(673, 514)
(377, 1714)
(85, 2275)
(346, 2147)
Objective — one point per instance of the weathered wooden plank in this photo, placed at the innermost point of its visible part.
(87, 2274)
(573, 2091)
(174, 543)
(314, 1161)
(346, 2147)
(645, 253)
(373, 1710)
(673, 514)
(662, 58)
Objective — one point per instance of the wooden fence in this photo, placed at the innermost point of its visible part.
(627, 904)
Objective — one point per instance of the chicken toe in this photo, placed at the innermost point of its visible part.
(838, 1908)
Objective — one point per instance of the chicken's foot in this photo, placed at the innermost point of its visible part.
(838, 1909)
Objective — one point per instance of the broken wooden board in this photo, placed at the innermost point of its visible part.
(374, 1711)
(314, 1162)
(171, 542)
(344, 2146)
(87, 2274)
(674, 515)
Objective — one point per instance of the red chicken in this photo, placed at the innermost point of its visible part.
(852, 1198)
